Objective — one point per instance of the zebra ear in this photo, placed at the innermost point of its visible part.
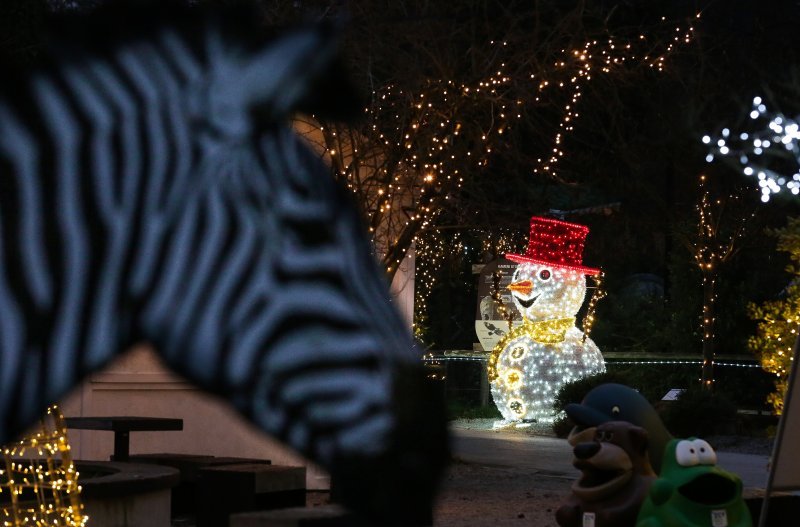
(297, 71)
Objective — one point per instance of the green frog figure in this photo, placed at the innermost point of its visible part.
(692, 491)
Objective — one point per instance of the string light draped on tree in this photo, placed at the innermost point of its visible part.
(566, 80)
(413, 152)
(439, 244)
(779, 319)
(778, 323)
(768, 151)
(722, 222)
(407, 160)
(576, 68)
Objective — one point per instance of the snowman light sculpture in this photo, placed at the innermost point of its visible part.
(530, 364)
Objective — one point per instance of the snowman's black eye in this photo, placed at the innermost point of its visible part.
(544, 274)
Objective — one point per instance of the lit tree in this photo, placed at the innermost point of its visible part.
(779, 320)
(721, 225)
(452, 82)
(768, 151)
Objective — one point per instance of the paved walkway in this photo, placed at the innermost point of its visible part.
(553, 457)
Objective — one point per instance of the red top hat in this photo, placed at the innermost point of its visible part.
(557, 243)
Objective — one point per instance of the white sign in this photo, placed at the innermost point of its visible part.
(673, 394)
(588, 519)
(490, 326)
(719, 518)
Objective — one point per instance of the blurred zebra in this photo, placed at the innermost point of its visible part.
(151, 190)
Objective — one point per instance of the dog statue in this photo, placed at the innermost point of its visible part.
(617, 402)
(615, 478)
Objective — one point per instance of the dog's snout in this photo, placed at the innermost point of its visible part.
(586, 450)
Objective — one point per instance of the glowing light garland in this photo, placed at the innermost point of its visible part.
(39, 483)
(436, 359)
(415, 151)
(571, 73)
(711, 249)
(597, 296)
(774, 341)
(432, 249)
(412, 156)
(673, 362)
(779, 321)
(578, 67)
(770, 151)
(530, 363)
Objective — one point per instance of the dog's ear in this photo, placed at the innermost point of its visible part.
(638, 438)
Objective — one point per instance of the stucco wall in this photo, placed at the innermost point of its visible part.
(139, 385)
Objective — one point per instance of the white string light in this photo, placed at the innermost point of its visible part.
(769, 152)
(439, 359)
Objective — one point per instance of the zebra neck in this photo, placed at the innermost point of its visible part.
(550, 331)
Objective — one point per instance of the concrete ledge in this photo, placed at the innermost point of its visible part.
(322, 516)
(147, 509)
(126, 494)
(190, 465)
(109, 479)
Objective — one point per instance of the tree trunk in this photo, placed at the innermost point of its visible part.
(709, 293)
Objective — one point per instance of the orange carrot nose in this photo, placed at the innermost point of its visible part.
(525, 287)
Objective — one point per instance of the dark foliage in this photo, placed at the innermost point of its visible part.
(575, 391)
(700, 413)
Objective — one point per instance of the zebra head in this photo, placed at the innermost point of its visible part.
(151, 189)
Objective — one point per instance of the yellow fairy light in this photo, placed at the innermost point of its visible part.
(38, 461)
(599, 294)
(418, 140)
(578, 62)
(711, 249)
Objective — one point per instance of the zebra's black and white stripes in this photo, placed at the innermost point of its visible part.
(150, 190)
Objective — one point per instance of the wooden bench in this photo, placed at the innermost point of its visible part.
(227, 489)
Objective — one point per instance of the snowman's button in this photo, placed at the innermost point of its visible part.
(517, 352)
(517, 406)
(513, 379)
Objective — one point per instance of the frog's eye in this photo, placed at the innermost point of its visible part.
(686, 454)
(705, 454)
